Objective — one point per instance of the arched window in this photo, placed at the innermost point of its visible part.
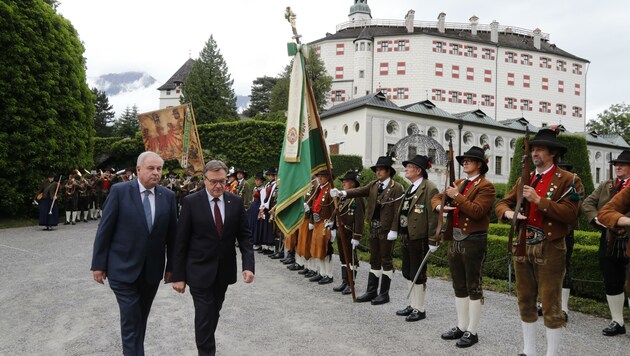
(412, 129)
(392, 127)
(432, 132)
(468, 138)
(448, 135)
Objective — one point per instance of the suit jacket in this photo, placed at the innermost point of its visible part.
(474, 207)
(422, 221)
(124, 244)
(558, 214)
(202, 257)
(387, 200)
(614, 209)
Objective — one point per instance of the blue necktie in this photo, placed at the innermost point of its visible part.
(147, 208)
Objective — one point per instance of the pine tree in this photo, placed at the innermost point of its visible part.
(209, 87)
(127, 124)
(104, 115)
(320, 80)
(260, 98)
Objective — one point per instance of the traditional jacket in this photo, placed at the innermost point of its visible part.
(474, 205)
(614, 209)
(388, 201)
(558, 208)
(421, 218)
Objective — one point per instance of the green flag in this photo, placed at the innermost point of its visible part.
(303, 150)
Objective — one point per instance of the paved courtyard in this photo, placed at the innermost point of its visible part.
(49, 305)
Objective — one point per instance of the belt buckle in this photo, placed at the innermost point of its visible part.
(316, 217)
(534, 236)
(375, 224)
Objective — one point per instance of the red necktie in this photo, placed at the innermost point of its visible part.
(217, 215)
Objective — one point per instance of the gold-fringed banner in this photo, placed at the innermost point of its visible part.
(172, 133)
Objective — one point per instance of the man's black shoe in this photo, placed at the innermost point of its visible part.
(416, 315)
(304, 271)
(347, 291)
(277, 256)
(311, 274)
(268, 252)
(67, 222)
(380, 299)
(453, 334)
(467, 340)
(295, 267)
(341, 287)
(289, 260)
(316, 278)
(325, 280)
(405, 312)
(73, 223)
(566, 316)
(614, 329)
(539, 308)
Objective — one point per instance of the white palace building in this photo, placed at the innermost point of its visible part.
(394, 79)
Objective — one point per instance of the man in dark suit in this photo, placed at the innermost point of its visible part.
(136, 232)
(210, 223)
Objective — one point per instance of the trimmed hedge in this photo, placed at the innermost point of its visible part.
(585, 272)
(343, 163)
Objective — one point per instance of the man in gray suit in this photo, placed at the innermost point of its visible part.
(135, 234)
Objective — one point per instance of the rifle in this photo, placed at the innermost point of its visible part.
(611, 168)
(445, 231)
(55, 197)
(521, 205)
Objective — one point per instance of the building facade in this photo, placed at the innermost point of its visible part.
(171, 91)
(505, 71)
(373, 125)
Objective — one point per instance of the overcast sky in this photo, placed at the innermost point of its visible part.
(156, 36)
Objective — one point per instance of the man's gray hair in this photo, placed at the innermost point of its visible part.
(215, 166)
(144, 155)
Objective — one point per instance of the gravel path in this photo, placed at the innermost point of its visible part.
(49, 305)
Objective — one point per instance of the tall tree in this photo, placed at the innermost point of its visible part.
(209, 87)
(614, 120)
(46, 107)
(127, 124)
(320, 80)
(260, 98)
(104, 114)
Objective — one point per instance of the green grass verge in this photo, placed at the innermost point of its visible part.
(7, 223)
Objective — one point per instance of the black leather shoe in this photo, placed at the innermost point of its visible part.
(288, 261)
(84, 220)
(325, 280)
(73, 223)
(261, 251)
(380, 299)
(267, 252)
(404, 312)
(467, 340)
(277, 256)
(347, 291)
(453, 334)
(416, 315)
(316, 278)
(566, 316)
(539, 308)
(614, 329)
(341, 287)
(67, 223)
(304, 271)
(367, 297)
(311, 274)
(295, 267)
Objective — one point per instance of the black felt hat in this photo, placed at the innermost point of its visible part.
(421, 161)
(260, 176)
(385, 162)
(351, 175)
(324, 172)
(624, 157)
(548, 138)
(272, 171)
(244, 172)
(476, 153)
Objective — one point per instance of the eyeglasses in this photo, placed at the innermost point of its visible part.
(215, 182)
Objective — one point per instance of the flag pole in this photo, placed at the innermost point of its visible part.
(290, 16)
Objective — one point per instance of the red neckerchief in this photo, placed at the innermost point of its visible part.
(317, 204)
(456, 211)
(535, 218)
